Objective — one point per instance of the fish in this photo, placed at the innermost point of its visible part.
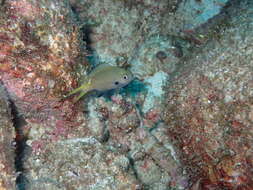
(103, 78)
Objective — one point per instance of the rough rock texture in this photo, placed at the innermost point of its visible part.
(209, 108)
(117, 28)
(73, 164)
(130, 32)
(120, 141)
(198, 12)
(41, 57)
(158, 53)
(112, 149)
(40, 45)
(7, 137)
(151, 36)
(121, 126)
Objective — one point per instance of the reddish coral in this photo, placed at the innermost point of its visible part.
(153, 115)
(25, 9)
(35, 63)
(37, 146)
(40, 51)
(212, 135)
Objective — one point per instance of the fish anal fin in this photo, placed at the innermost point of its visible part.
(80, 96)
(84, 88)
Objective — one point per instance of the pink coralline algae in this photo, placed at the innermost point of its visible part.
(209, 112)
(38, 48)
(120, 126)
(184, 123)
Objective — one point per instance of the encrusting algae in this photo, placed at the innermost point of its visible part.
(104, 77)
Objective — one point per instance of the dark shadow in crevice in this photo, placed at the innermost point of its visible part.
(92, 55)
(20, 141)
(86, 30)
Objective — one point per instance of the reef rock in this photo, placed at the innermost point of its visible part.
(209, 108)
(40, 47)
(80, 163)
(122, 128)
(203, 139)
(7, 137)
(117, 28)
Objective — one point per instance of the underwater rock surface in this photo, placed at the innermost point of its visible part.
(7, 136)
(197, 12)
(184, 123)
(117, 28)
(73, 164)
(40, 45)
(209, 108)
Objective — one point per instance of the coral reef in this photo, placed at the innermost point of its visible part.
(40, 42)
(157, 53)
(7, 136)
(80, 167)
(117, 28)
(111, 149)
(41, 57)
(209, 108)
(120, 125)
(185, 122)
(198, 12)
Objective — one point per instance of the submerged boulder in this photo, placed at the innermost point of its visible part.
(7, 139)
(40, 47)
(209, 108)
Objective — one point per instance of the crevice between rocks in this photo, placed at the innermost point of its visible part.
(86, 31)
(20, 143)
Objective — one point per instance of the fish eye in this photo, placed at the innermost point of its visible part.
(125, 77)
(116, 83)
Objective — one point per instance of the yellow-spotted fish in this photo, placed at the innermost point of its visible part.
(104, 77)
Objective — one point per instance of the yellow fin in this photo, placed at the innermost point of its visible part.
(84, 88)
(80, 96)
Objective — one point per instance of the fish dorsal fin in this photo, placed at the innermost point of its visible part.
(99, 68)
